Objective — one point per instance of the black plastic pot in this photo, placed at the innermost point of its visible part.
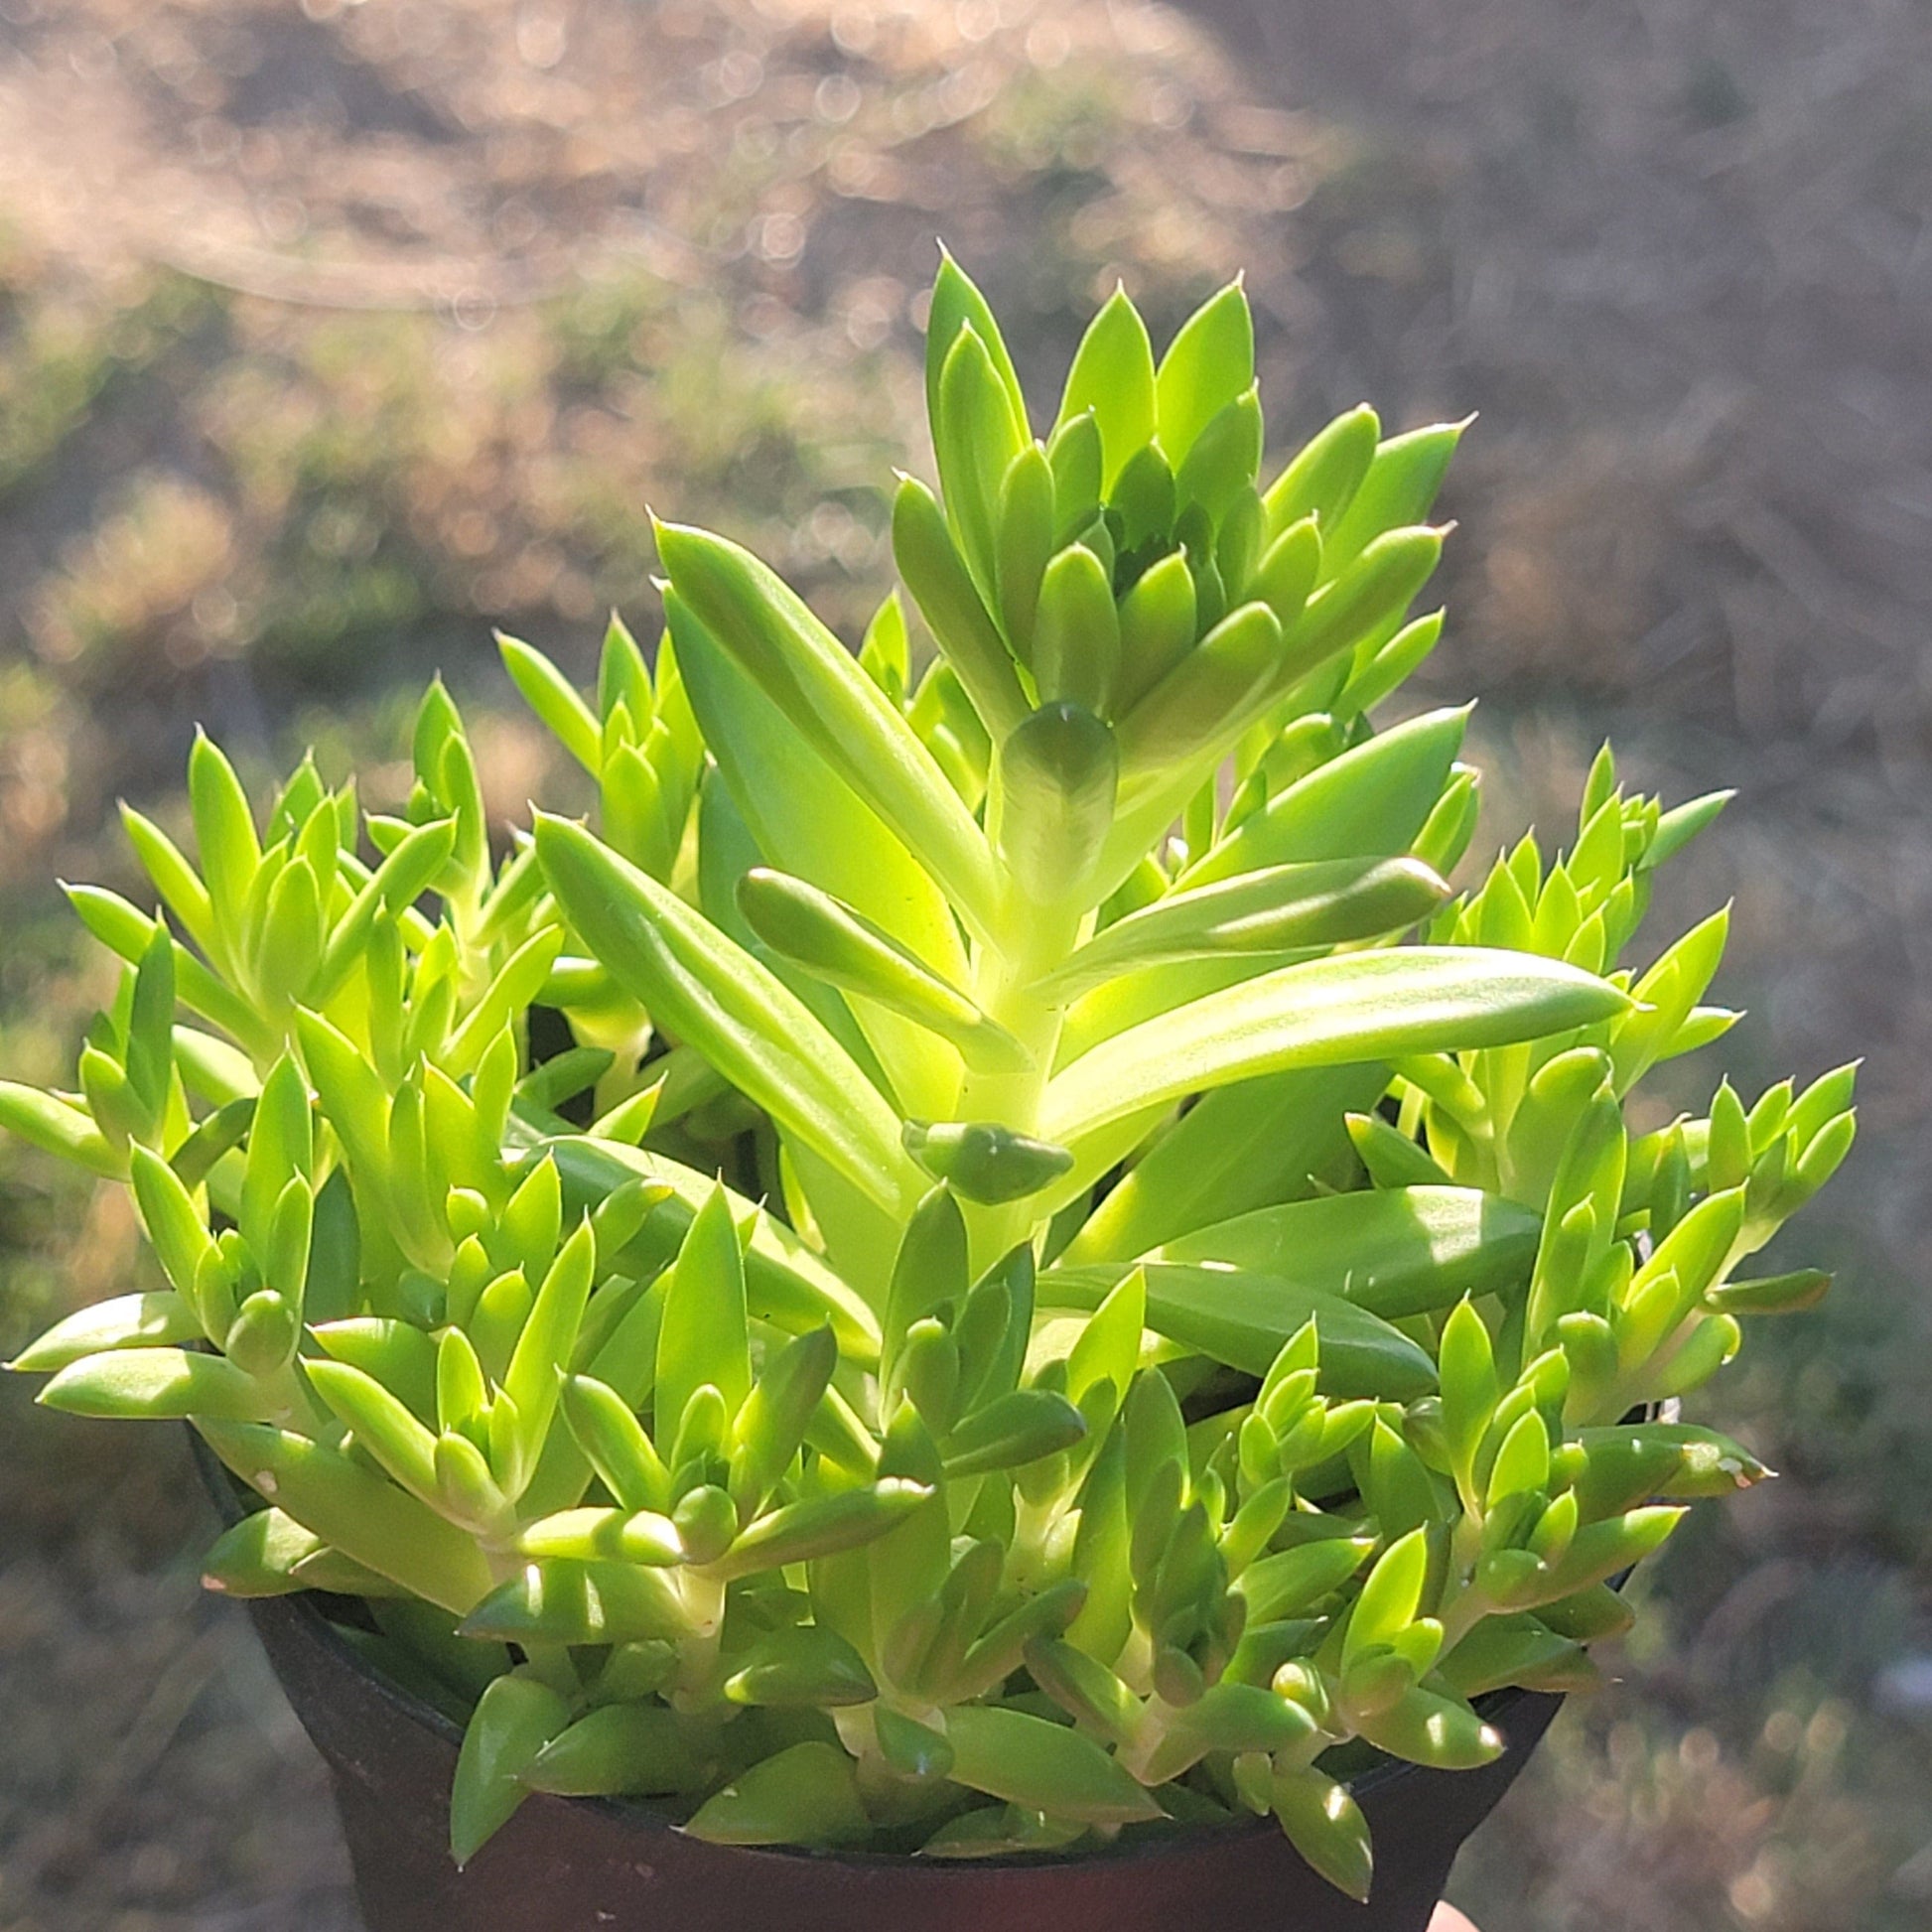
(576, 1865)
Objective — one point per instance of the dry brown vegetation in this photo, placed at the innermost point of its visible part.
(332, 333)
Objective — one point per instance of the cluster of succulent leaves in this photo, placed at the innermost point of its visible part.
(987, 1261)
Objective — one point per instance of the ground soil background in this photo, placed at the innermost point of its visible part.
(332, 335)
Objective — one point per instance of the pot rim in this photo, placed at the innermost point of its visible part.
(226, 1492)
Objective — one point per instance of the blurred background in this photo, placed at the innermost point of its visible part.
(332, 335)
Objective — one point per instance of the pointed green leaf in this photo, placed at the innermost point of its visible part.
(1296, 1580)
(1156, 628)
(954, 608)
(557, 1600)
(151, 1023)
(1322, 478)
(554, 699)
(703, 1338)
(1222, 460)
(1076, 633)
(1015, 1428)
(178, 885)
(976, 434)
(838, 944)
(544, 1348)
(1395, 1252)
(1045, 1767)
(1208, 364)
(360, 1514)
(515, 1717)
(1237, 1148)
(958, 304)
(807, 673)
(1374, 798)
(1398, 489)
(161, 1382)
(774, 1418)
(822, 1526)
(382, 1425)
(151, 1321)
(1442, 1733)
(1027, 540)
(257, 1557)
(1053, 794)
(618, 1751)
(1113, 376)
(710, 993)
(611, 1435)
(1243, 1319)
(225, 832)
(806, 1794)
(1365, 600)
(1325, 1825)
(803, 1667)
(57, 1128)
(1281, 909)
(1198, 710)
(1365, 1006)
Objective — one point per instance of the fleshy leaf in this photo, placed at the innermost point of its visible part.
(1364, 1007)
(749, 1025)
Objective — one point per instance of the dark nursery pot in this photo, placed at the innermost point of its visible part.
(574, 1864)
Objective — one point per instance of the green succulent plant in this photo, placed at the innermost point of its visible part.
(1058, 1283)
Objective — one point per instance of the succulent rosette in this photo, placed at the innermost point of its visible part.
(980, 1261)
